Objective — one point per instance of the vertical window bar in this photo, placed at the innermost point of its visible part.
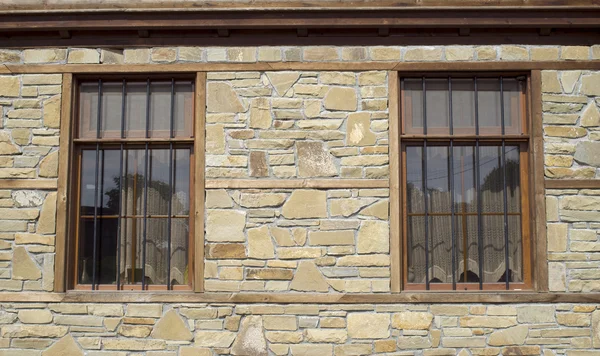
(478, 189)
(506, 241)
(95, 236)
(451, 182)
(425, 185)
(123, 94)
(146, 172)
(171, 179)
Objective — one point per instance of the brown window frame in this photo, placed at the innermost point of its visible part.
(408, 137)
(116, 140)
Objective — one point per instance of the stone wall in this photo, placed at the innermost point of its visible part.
(298, 329)
(571, 123)
(302, 240)
(297, 125)
(285, 125)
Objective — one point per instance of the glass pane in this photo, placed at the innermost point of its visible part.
(180, 273)
(488, 96)
(492, 237)
(158, 186)
(112, 107)
(513, 106)
(437, 106)
(88, 110)
(88, 181)
(438, 179)
(464, 179)
(184, 109)
(515, 249)
(135, 109)
(131, 249)
(416, 249)
(468, 254)
(106, 250)
(133, 185)
(109, 182)
(181, 190)
(463, 106)
(413, 105)
(414, 179)
(160, 109)
(440, 249)
(513, 179)
(156, 250)
(491, 177)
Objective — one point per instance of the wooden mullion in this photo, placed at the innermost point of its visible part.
(199, 186)
(394, 183)
(64, 168)
(538, 208)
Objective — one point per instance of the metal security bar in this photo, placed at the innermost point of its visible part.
(485, 136)
(110, 229)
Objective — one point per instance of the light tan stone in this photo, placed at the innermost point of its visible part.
(163, 55)
(214, 338)
(513, 53)
(590, 116)
(215, 139)
(225, 251)
(379, 210)
(250, 339)
(7, 56)
(459, 53)
(7, 148)
(565, 131)
(550, 82)
(258, 164)
(569, 79)
(10, 86)
(44, 55)
(511, 336)
(52, 112)
(348, 207)
(221, 98)
(424, 53)
(261, 200)
(81, 56)
(590, 84)
(260, 114)
(544, 53)
(364, 261)
(260, 245)
(306, 203)
(111, 56)
(337, 336)
(133, 344)
(218, 198)
(340, 99)
(329, 238)
(137, 56)
(171, 327)
(28, 331)
(575, 52)
(139, 331)
(35, 316)
(320, 53)
(23, 265)
(412, 320)
(487, 321)
(144, 310)
(574, 202)
(308, 278)
(47, 220)
(225, 225)
(557, 277)
(536, 314)
(269, 273)
(314, 160)
(368, 326)
(64, 346)
(373, 237)
(358, 130)
(282, 81)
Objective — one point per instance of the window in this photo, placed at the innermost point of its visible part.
(465, 178)
(133, 149)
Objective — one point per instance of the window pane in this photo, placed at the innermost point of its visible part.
(135, 109)
(464, 179)
(413, 106)
(416, 249)
(414, 179)
(112, 110)
(513, 106)
(160, 109)
(437, 106)
(158, 186)
(468, 253)
(180, 229)
(515, 249)
(88, 110)
(488, 96)
(181, 190)
(438, 179)
(440, 249)
(184, 109)
(463, 106)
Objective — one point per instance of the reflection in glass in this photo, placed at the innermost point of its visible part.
(493, 237)
(130, 244)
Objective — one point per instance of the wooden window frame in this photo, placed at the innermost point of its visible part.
(196, 190)
(535, 275)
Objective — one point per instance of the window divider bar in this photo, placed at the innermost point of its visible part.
(171, 179)
(451, 182)
(146, 173)
(119, 223)
(425, 197)
(95, 236)
(504, 190)
(478, 189)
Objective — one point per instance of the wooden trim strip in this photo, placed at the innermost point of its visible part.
(62, 208)
(335, 183)
(51, 184)
(394, 154)
(572, 183)
(323, 66)
(199, 151)
(450, 297)
(540, 251)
